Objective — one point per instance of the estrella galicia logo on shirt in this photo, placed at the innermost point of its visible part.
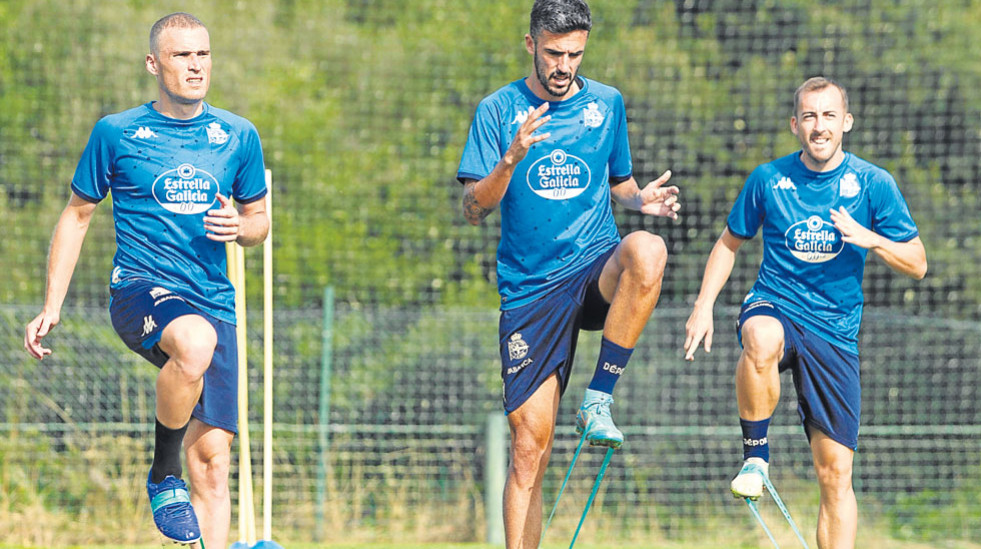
(558, 176)
(185, 190)
(814, 240)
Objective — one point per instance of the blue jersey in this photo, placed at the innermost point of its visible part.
(556, 216)
(163, 174)
(814, 277)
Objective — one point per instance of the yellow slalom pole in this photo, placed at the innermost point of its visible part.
(267, 368)
(246, 510)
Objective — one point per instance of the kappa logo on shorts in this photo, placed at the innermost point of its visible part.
(517, 348)
(148, 325)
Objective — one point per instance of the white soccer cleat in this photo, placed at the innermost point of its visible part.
(749, 482)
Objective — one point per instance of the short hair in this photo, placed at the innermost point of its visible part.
(818, 83)
(559, 17)
(179, 20)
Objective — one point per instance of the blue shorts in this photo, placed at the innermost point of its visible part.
(141, 310)
(539, 339)
(829, 394)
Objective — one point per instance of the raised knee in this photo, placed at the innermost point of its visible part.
(762, 339)
(646, 257)
(193, 346)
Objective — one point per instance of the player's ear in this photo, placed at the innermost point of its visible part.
(151, 64)
(849, 121)
(793, 124)
(530, 44)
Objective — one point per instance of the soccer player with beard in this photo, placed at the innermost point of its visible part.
(551, 149)
(171, 166)
(820, 210)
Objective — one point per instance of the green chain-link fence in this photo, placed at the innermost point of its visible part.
(363, 107)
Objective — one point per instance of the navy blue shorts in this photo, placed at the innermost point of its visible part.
(539, 339)
(141, 310)
(829, 393)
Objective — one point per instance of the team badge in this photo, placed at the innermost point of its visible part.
(517, 348)
(216, 135)
(591, 116)
(849, 187)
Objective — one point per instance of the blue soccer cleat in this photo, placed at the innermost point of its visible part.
(749, 481)
(172, 511)
(595, 421)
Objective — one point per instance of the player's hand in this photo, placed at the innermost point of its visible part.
(656, 199)
(526, 136)
(36, 330)
(222, 224)
(852, 231)
(700, 326)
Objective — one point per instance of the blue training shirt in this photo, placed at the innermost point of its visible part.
(556, 216)
(807, 270)
(163, 174)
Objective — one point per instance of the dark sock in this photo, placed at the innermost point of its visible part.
(755, 443)
(612, 360)
(166, 453)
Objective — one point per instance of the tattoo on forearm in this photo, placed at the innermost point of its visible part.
(473, 211)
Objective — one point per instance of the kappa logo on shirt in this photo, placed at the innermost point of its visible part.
(521, 116)
(144, 133)
(785, 184)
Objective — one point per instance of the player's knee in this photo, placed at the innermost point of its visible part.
(834, 477)
(192, 346)
(762, 338)
(209, 472)
(645, 255)
(529, 454)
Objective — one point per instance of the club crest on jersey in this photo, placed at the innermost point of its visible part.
(814, 240)
(591, 116)
(849, 187)
(558, 176)
(216, 135)
(185, 190)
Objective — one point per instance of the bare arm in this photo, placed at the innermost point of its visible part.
(246, 224)
(908, 258)
(66, 246)
(653, 199)
(481, 197)
(717, 270)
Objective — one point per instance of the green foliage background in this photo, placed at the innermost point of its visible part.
(363, 107)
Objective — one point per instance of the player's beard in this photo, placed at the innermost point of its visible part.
(544, 80)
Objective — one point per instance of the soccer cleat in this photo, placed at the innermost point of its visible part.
(172, 511)
(595, 421)
(749, 482)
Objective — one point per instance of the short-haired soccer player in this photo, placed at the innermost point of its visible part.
(551, 150)
(172, 166)
(820, 211)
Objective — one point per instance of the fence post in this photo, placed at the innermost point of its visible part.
(495, 468)
(323, 416)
